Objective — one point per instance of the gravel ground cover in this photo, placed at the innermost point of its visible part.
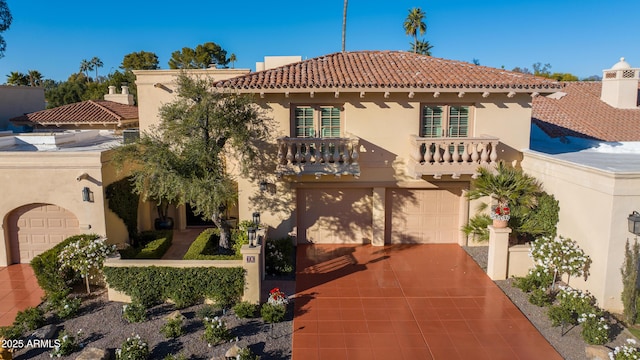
(570, 345)
(103, 327)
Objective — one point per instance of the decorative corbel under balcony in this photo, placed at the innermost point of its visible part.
(318, 156)
(451, 156)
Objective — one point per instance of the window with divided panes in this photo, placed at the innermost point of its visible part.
(316, 121)
(444, 121)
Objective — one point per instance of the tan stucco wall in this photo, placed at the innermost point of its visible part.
(383, 124)
(594, 206)
(50, 178)
(19, 100)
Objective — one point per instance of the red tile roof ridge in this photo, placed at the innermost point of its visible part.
(88, 111)
(385, 69)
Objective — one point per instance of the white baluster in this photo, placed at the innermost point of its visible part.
(336, 152)
(307, 152)
(313, 151)
(326, 157)
(465, 153)
(290, 153)
(484, 156)
(456, 154)
(299, 155)
(281, 159)
(437, 156)
(428, 155)
(446, 157)
(494, 152)
(474, 153)
(354, 153)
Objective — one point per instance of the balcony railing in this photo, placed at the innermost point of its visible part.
(318, 156)
(451, 156)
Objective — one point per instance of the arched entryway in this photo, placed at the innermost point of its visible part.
(35, 228)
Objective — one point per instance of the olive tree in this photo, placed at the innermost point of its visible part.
(186, 158)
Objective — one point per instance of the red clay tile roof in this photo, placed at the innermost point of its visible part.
(581, 113)
(88, 112)
(385, 69)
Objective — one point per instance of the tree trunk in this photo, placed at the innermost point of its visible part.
(225, 231)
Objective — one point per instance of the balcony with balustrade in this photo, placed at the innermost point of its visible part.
(451, 156)
(318, 156)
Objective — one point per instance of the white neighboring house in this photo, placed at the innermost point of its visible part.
(585, 148)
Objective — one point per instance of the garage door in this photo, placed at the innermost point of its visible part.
(38, 227)
(334, 216)
(423, 216)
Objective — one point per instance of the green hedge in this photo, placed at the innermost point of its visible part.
(154, 245)
(205, 247)
(153, 285)
(46, 266)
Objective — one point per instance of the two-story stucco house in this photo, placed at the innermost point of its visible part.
(374, 146)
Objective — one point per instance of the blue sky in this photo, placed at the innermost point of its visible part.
(578, 36)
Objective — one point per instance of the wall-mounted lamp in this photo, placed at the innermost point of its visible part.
(251, 234)
(87, 195)
(263, 185)
(634, 223)
(256, 219)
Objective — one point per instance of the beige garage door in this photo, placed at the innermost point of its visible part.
(334, 216)
(38, 227)
(423, 216)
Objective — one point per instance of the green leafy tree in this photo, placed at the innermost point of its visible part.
(414, 24)
(629, 272)
(67, 92)
(202, 57)
(184, 159)
(542, 70)
(96, 63)
(522, 70)
(5, 23)
(17, 78)
(563, 77)
(142, 60)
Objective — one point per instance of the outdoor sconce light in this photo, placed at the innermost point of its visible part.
(634, 223)
(251, 234)
(87, 195)
(256, 219)
(263, 185)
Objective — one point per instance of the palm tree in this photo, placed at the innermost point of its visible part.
(95, 64)
(85, 67)
(344, 24)
(508, 186)
(232, 60)
(17, 78)
(35, 78)
(414, 24)
(422, 47)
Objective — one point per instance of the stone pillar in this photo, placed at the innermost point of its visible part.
(252, 264)
(378, 216)
(498, 252)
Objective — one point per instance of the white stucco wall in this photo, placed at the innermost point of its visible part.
(594, 206)
(19, 100)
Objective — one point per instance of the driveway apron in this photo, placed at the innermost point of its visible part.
(405, 302)
(18, 290)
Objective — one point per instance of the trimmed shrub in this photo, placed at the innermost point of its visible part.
(245, 310)
(537, 278)
(172, 328)
(46, 266)
(123, 201)
(134, 312)
(152, 285)
(205, 247)
(272, 313)
(153, 245)
(29, 319)
(134, 348)
(208, 311)
(595, 330)
(215, 331)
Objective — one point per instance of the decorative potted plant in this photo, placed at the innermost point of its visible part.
(163, 221)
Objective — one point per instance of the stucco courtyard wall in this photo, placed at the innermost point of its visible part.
(19, 100)
(594, 206)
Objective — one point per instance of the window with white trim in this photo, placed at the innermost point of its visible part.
(316, 121)
(444, 121)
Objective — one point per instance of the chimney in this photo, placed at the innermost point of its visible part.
(620, 86)
(123, 98)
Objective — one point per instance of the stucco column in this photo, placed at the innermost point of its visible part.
(252, 264)
(463, 218)
(498, 252)
(378, 216)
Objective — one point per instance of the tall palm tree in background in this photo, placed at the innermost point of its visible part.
(422, 47)
(35, 78)
(232, 60)
(95, 64)
(344, 24)
(85, 67)
(414, 24)
(17, 78)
